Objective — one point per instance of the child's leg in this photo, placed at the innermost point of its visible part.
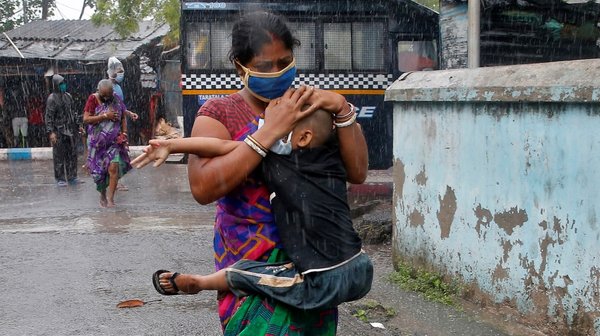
(194, 283)
(282, 282)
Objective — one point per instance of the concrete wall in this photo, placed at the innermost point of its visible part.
(499, 184)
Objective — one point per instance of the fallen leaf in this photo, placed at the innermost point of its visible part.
(131, 303)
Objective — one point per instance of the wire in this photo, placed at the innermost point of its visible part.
(60, 13)
(71, 8)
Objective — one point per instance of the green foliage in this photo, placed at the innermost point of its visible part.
(125, 15)
(371, 310)
(361, 314)
(431, 285)
(11, 12)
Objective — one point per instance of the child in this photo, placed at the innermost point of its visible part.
(308, 198)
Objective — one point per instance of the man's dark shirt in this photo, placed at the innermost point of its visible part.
(310, 206)
(61, 118)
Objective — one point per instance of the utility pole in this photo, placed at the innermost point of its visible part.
(25, 13)
(474, 19)
(45, 4)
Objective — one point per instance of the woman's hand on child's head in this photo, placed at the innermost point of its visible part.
(329, 101)
(282, 114)
(157, 151)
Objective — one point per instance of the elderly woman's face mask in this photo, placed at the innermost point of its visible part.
(106, 97)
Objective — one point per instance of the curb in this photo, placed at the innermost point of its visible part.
(369, 191)
(45, 153)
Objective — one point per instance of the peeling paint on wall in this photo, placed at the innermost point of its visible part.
(484, 217)
(509, 220)
(416, 218)
(499, 273)
(446, 213)
(399, 177)
(421, 178)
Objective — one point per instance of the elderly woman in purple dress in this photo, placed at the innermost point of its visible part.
(108, 157)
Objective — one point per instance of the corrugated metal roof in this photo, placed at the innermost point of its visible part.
(76, 40)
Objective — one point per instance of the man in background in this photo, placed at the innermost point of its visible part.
(63, 124)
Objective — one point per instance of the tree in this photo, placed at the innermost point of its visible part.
(11, 12)
(86, 3)
(124, 15)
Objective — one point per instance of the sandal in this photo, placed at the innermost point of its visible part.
(158, 287)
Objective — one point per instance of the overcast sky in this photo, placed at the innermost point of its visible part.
(70, 10)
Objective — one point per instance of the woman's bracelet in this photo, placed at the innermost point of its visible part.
(352, 111)
(255, 147)
(251, 138)
(346, 123)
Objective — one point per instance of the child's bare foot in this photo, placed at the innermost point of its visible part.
(110, 204)
(174, 283)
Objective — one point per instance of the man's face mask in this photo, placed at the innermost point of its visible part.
(269, 85)
(120, 77)
(62, 87)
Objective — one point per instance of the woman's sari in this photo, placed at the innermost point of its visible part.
(244, 229)
(103, 147)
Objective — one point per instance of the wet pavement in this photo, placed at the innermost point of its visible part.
(66, 262)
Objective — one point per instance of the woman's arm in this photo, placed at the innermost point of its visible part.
(213, 178)
(124, 122)
(90, 119)
(88, 111)
(353, 146)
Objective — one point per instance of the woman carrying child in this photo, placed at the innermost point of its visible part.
(262, 52)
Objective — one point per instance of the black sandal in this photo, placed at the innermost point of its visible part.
(158, 287)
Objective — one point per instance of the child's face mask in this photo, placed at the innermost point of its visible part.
(62, 87)
(280, 147)
(120, 77)
(269, 85)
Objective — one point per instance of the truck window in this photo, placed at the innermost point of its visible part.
(305, 54)
(220, 44)
(337, 38)
(198, 46)
(368, 42)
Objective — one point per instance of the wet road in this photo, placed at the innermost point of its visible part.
(66, 262)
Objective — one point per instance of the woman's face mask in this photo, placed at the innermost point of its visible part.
(120, 77)
(62, 87)
(106, 99)
(269, 85)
